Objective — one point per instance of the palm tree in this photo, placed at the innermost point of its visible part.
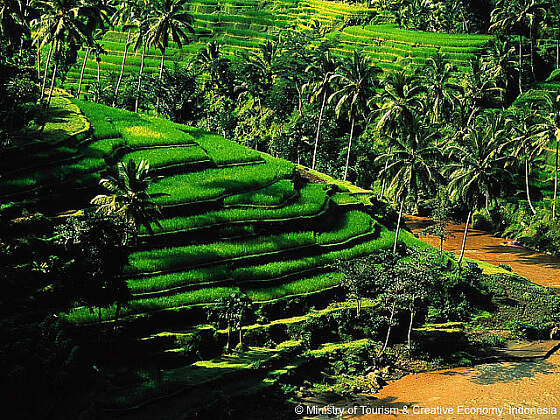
(168, 18)
(500, 65)
(476, 171)
(140, 26)
(479, 85)
(526, 144)
(14, 22)
(518, 15)
(441, 92)
(97, 48)
(64, 22)
(128, 196)
(126, 14)
(400, 101)
(412, 165)
(549, 130)
(261, 71)
(320, 71)
(357, 81)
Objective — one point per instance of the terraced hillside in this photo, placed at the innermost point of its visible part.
(233, 220)
(392, 48)
(237, 25)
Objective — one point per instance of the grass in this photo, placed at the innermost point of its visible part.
(167, 156)
(311, 201)
(208, 295)
(178, 257)
(350, 225)
(224, 152)
(213, 183)
(272, 195)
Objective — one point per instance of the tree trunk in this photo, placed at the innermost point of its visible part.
(122, 68)
(464, 239)
(349, 149)
(487, 203)
(388, 329)
(52, 82)
(228, 342)
(82, 73)
(45, 73)
(532, 54)
(99, 314)
(555, 180)
(520, 63)
(384, 177)
(358, 306)
(558, 51)
(398, 227)
(140, 79)
(240, 331)
(160, 77)
(318, 130)
(117, 312)
(527, 186)
(412, 313)
(38, 64)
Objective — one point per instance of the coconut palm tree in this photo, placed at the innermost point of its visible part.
(476, 169)
(549, 131)
(128, 197)
(168, 18)
(527, 146)
(14, 22)
(320, 73)
(518, 16)
(500, 64)
(64, 22)
(412, 164)
(139, 25)
(357, 80)
(401, 99)
(124, 16)
(97, 49)
(441, 92)
(260, 71)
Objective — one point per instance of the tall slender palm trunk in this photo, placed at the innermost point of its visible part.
(412, 313)
(318, 130)
(465, 233)
(119, 80)
(38, 64)
(349, 149)
(388, 329)
(398, 227)
(53, 78)
(527, 190)
(520, 63)
(160, 77)
(532, 52)
(46, 72)
(140, 79)
(555, 180)
(240, 337)
(82, 73)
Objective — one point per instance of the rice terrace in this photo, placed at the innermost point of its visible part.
(282, 209)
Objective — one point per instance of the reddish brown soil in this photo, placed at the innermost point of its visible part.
(539, 268)
(496, 385)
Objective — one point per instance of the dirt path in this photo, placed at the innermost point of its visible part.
(495, 386)
(539, 268)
